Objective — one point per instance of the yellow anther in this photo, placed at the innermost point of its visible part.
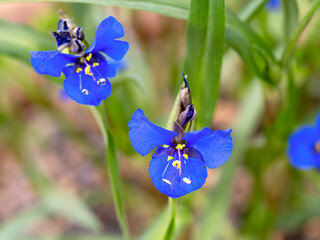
(185, 156)
(180, 146)
(169, 158)
(79, 69)
(186, 180)
(95, 64)
(166, 181)
(176, 164)
(88, 58)
(88, 70)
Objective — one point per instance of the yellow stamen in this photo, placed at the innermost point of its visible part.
(176, 164)
(95, 64)
(166, 181)
(185, 156)
(169, 158)
(88, 58)
(88, 70)
(186, 180)
(79, 69)
(180, 146)
(317, 146)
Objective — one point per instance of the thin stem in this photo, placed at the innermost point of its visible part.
(297, 32)
(171, 217)
(112, 166)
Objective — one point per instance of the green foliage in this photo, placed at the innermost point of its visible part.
(205, 46)
(235, 51)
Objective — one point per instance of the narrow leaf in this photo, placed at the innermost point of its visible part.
(112, 167)
(177, 8)
(215, 214)
(291, 16)
(205, 46)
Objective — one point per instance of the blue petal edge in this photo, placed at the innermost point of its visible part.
(214, 146)
(145, 136)
(50, 62)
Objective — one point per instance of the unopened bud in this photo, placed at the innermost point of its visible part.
(185, 93)
(78, 33)
(76, 46)
(187, 115)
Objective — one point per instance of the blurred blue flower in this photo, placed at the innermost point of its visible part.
(273, 4)
(304, 147)
(86, 74)
(179, 167)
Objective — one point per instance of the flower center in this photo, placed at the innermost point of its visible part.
(177, 157)
(88, 64)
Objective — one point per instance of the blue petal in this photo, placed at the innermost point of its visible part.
(50, 62)
(104, 70)
(214, 146)
(116, 49)
(175, 182)
(317, 125)
(273, 4)
(109, 30)
(145, 136)
(67, 71)
(75, 84)
(301, 152)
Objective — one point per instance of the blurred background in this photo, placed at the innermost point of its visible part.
(53, 179)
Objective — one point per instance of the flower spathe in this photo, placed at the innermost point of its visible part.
(86, 74)
(304, 147)
(178, 168)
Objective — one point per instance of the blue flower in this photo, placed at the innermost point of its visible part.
(179, 167)
(273, 4)
(86, 74)
(304, 147)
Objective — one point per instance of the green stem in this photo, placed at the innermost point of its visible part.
(112, 167)
(171, 217)
(297, 32)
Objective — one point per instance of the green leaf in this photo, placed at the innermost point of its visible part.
(218, 204)
(205, 46)
(112, 167)
(253, 50)
(291, 16)
(293, 219)
(71, 207)
(171, 8)
(251, 9)
(16, 227)
(18, 40)
(163, 227)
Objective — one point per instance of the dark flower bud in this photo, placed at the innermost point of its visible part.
(62, 40)
(185, 93)
(78, 33)
(76, 46)
(65, 25)
(187, 115)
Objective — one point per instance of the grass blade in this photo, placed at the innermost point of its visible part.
(205, 46)
(112, 168)
(176, 9)
(215, 214)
